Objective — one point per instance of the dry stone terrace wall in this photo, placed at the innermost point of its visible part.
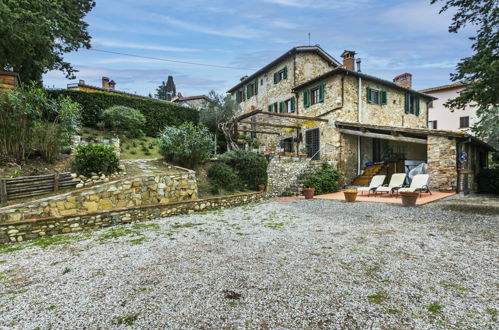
(129, 192)
(31, 229)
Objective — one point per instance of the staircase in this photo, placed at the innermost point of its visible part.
(367, 175)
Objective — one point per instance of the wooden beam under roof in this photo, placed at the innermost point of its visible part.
(284, 115)
(261, 123)
(384, 136)
(258, 132)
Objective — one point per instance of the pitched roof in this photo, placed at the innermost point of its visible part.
(363, 76)
(190, 98)
(109, 90)
(444, 87)
(316, 49)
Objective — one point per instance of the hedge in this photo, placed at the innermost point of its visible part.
(159, 114)
(488, 181)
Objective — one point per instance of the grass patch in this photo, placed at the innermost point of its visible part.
(378, 297)
(118, 232)
(185, 225)
(51, 307)
(7, 248)
(435, 308)
(138, 241)
(128, 319)
(66, 270)
(450, 285)
(233, 304)
(275, 225)
(145, 226)
(45, 242)
(393, 311)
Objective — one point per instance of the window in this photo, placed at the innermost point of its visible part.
(375, 96)
(432, 124)
(261, 82)
(289, 105)
(280, 75)
(314, 96)
(430, 104)
(464, 122)
(239, 96)
(411, 104)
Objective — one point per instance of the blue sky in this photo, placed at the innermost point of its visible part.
(390, 36)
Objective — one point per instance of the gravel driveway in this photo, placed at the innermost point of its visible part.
(315, 264)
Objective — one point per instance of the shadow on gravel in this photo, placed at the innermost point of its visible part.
(472, 209)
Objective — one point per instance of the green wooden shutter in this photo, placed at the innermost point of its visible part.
(383, 97)
(369, 95)
(281, 107)
(407, 103)
(293, 101)
(256, 87)
(276, 78)
(270, 107)
(306, 98)
(417, 105)
(248, 95)
(321, 93)
(285, 72)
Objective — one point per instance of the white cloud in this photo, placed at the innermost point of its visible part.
(119, 44)
(241, 32)
(328, 4)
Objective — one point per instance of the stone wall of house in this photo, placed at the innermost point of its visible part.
(286, 175)
(32, 229)
(129, 192)
(309, 66)
(442, 162)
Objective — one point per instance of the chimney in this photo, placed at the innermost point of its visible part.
(358, 61)
(112, 85)
(349, 60)
(404, 80)
(81, 82)
(105, 82)
(244, 78)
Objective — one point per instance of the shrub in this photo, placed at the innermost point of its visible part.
(249, 166)
(158, 114)
(324, 181)
(96, 158)
(222, 177)
(187, 145)
(488, 181)
(124, 120)
(30, 120)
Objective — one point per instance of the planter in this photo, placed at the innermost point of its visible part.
(261, 187)
(303, 155)
(409, 198)
(350, 195)
(308, 193)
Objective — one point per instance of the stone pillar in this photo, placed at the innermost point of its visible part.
(116, 144)
(442, 166)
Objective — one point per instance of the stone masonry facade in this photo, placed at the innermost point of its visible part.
(32, 229)
(442, 157)
(129, 192)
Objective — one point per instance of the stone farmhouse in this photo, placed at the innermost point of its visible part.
(306, 101)
(197, 102)
(441, 117)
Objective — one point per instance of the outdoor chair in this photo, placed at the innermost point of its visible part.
(419, 183)
(376, 182)
(396, 182)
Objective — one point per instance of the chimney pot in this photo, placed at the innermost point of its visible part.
(105, 82)
(81, 82)
(112, 84)
(404, 80)
(349, 60)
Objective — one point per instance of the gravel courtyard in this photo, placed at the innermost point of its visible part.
(299, 264)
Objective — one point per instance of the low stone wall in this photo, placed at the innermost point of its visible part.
(286, 175)
(31, 229)
(129, 192)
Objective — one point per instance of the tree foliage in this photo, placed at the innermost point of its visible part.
(166, 91)
(481, 70)
(219, 114)
(124, 121)
(35, 35)
(187, 145)
(95, 158)
(249, 166)
(324, 181)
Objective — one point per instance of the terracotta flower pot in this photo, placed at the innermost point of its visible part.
(261, 187)
(409, 198)
(308, 193)
(350, 195)
(303, 155)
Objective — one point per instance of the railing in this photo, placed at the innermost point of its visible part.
(29, 186)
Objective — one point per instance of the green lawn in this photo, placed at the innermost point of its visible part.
(141, 148)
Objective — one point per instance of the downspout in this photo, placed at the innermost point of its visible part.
(359, 119)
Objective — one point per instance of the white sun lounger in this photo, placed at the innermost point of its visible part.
(376, 182)
(419, 183)
(396, 181)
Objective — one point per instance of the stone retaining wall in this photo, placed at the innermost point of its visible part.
(129, 192)
(31, 229)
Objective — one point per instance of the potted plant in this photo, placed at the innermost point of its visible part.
(261, 187)
(308, 193)
(303, 153)
(409, 198)
(350, 195)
